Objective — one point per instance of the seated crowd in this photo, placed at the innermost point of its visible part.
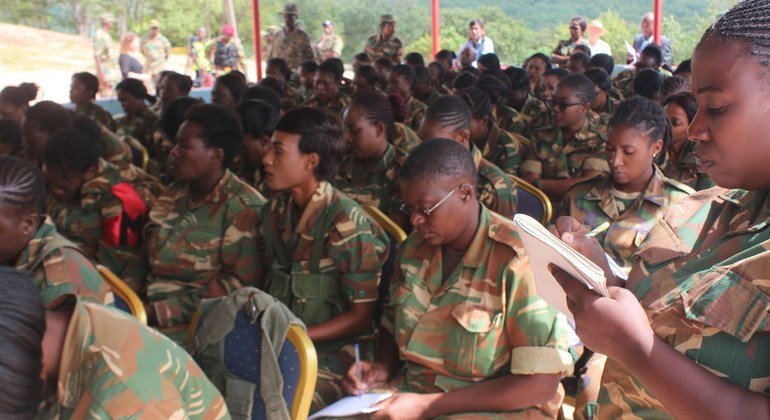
(273, 186)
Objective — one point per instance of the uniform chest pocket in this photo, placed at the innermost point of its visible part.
(723, 299)
(316, 298)
(202, 245)
(475, 339)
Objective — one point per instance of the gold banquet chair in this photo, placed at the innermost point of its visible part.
(532, 201)
(125, 298)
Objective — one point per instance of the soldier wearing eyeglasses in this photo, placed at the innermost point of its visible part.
(464, 332)
(560, 54)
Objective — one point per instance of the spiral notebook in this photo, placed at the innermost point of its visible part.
(544, 248)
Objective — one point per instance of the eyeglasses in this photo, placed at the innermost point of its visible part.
(407, 209)
(564, 105)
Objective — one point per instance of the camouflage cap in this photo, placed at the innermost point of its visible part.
(290, 9)
(107, 17)
(387, 19)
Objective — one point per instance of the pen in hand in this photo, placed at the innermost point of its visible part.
(599, 229)
(358, 368)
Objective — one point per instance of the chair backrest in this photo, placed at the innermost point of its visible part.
(386, 222)
(297, 361)
(139, 155)
(533, 201)
(125, 298)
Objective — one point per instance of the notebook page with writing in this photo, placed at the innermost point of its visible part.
(544, 248)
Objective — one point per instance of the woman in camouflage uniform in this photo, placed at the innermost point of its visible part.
(687, 335)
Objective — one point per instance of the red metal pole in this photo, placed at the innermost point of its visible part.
(658, 21)
(257, 38)
(434, 23)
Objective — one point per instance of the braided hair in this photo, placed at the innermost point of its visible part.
(644, 116)
(747, 21)
(21, 184)
(75, 148)
(135, 88)
(449, 111)
(582, 86)
(387, 110)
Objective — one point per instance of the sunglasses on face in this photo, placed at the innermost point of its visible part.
(564, 105)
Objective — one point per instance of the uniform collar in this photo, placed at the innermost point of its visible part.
(218, 194)
(78, 338)
(477, 155)
(319, 201)
(655, 193)
(31, 253)
(753, 213)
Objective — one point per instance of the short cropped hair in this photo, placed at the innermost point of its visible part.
(321, 133)
(221, 128)
(439, 157)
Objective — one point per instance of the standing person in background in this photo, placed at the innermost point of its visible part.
(129, 59)
(598, 45)
(199, 43)
(560, 54)
(227, 52)
(330, 45)
(647, 37)
(291, 43)
(478, 40)
(385, 44)
(105, 57)
(156, 49)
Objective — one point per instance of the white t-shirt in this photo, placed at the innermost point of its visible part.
(600, 47)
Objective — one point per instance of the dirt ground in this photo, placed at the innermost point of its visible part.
(50, 58)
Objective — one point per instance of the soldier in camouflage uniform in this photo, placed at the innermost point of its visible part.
(385, 44)
(369, 171)
(96, 205)
(156, 49)
(83, 90)
(404, 138)
(112, 366)
(57, 266)
(326, 92)
(291, 43)
(463, 318)
(450, 117)
(201, 239)
(680, 163)
(401, 81)
(330, 45)
(560, 54)
(325, 252)
(604, 104)
(572, 149)
(105, 55)
(694, 327)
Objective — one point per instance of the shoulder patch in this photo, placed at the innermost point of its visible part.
(679, 185)
(502, 230)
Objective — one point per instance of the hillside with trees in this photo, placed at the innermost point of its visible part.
(518, 27)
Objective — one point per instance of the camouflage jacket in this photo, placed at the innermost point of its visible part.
(106, 223)
(417, 110)
(406, 139)
(533, 106)
(431, 97)
(604, 116)
(512, 120)
(294, 47)
(504, 149)
(701, 277)
(338, 105)
(140, 127)
(375, 185)
(377, 47)
(496, 190)
(156, 51)
(594, 202)
(59, 268)
(566, 46)
(484, 321)
(98, 114)
(553, 157)
(329, 46)
(322, 261)
(684, 168)
(189, 245)
(115, 150)
(112, 366)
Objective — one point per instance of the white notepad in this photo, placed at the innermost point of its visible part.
(351, 406)
(544, 248)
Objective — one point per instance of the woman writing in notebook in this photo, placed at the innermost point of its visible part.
(686, 336)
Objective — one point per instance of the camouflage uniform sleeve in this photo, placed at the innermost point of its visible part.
(596, 162)
(240, 266)
(68, 272)
(531, 163)
(307, 50)
(537, 333)
(369, 46)
(514, 153)
(387, 319)
(359, 248)
(338, 44)
(115, 151)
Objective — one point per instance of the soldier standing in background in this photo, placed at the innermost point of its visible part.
(330, 45)
(385, 44)
(105, 56)
(156, 49)
(291, 43)
(228, 52)
(198, 45)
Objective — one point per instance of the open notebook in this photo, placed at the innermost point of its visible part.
(544, 248)
(351, 406)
